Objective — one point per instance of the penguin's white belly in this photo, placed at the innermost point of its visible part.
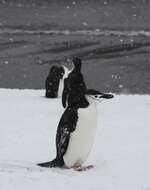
(61, 81)
(81, 140)
(60, 88)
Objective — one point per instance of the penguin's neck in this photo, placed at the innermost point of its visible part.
(66, 72)
(77, 67)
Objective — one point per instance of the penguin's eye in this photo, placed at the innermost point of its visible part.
(96, 96)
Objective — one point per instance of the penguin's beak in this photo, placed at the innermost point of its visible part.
(106, 96)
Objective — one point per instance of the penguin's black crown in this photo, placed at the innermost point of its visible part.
(77, 63)
(54, 70)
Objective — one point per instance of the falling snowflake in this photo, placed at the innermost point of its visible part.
(11, 39)
(6, 62)
(85, 23)
(66, 32)
(120, 86)
(97, 30)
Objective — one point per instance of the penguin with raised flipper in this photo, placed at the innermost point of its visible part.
(76, 131)
(74, 86)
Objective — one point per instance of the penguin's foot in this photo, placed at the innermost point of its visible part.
(83, 168)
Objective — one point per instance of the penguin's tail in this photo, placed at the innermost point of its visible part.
(51, 164)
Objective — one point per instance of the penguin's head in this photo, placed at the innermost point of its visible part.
(94, 95)
(54, 70)
(77, 63)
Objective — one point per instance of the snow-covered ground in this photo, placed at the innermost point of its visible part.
(121, 152)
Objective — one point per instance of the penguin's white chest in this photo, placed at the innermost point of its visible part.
(82, 139)
(60, 88)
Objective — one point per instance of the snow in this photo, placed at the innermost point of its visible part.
(87, 32)
(121, 152)
(6, 62)
(85, 23)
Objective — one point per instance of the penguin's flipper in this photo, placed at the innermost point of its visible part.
(45, 164)
(66, 126)
(62, 141)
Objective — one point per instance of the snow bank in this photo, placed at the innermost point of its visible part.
(121, 152)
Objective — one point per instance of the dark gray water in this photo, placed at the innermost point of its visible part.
(112, 38)
(122, 66)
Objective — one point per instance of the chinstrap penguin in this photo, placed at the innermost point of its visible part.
(75, 133)
(74, 86)
(54, 82)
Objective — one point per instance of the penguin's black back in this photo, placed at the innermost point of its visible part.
(52, 81)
